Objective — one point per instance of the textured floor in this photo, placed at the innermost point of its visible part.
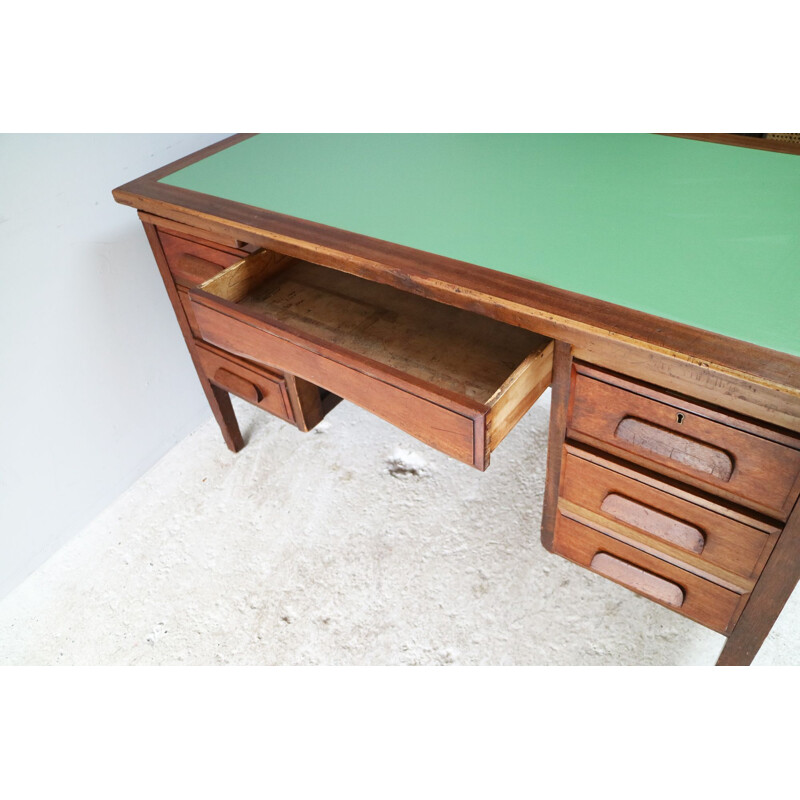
(353, 544)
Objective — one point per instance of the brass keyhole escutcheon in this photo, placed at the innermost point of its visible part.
(681, 418)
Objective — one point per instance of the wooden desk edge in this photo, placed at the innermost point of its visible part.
(753, 376)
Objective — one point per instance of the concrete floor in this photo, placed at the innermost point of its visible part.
(354, 544)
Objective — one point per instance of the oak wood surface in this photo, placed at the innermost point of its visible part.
(659, 548)
(689, 452)
(714, 536)
(766, 473)
(437, 416)
(518, 393)
(683, 403)
(677, 488)
(448, 430)
(648, 519)
(705, 602)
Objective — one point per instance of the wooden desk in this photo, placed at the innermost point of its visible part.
(443, 281)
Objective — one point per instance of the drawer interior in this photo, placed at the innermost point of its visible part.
(470, 378)
(453, 349)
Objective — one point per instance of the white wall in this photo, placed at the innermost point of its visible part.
(96, 383)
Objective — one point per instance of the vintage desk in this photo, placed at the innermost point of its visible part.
(442, 282)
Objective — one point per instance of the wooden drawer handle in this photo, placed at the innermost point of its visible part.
(689, 452)
(671, 529)
(637, 579)
(237, 385)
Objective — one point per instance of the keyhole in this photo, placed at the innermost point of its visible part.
(680, 418)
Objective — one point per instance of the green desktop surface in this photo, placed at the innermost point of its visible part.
(699, 233)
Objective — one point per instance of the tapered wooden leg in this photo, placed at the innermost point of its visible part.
(222, 408)
(777, 581)
(218, 399)
(562, 368)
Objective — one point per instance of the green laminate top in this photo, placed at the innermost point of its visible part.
(699, 233)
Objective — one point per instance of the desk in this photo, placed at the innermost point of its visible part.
(444, 281)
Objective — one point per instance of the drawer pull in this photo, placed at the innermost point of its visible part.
(673, 530)
(689, 452)
(239, 386)
(637, 579)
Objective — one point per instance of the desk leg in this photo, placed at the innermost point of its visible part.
(559, 400)
(769, 596)
(218, 399)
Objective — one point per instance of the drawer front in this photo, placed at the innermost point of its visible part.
(670, 524)
(705, 602)
(734, 463)
(440, 427)
(259, 387)
(191, 262)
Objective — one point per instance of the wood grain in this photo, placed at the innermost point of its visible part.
(218, 399)
(266, 389)
(766, 472)
(639, 580)
(192, 262)
(660, 548)
(705, 602)
(443, 428)
(518, 393)
(695, 455)
(457, 350)
(650, 520)
(559, 400)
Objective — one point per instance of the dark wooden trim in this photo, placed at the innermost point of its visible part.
(774, 587)
(559, 400)
(737, 140)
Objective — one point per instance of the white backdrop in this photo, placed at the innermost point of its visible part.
(96, 383)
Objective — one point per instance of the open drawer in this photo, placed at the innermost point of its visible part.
(456, 380)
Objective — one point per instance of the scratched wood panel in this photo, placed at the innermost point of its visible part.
(267, 391)
(705, 602)
(191, 262)
(463, 352)
(729, 459)
(365, 341)
(726, 542)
